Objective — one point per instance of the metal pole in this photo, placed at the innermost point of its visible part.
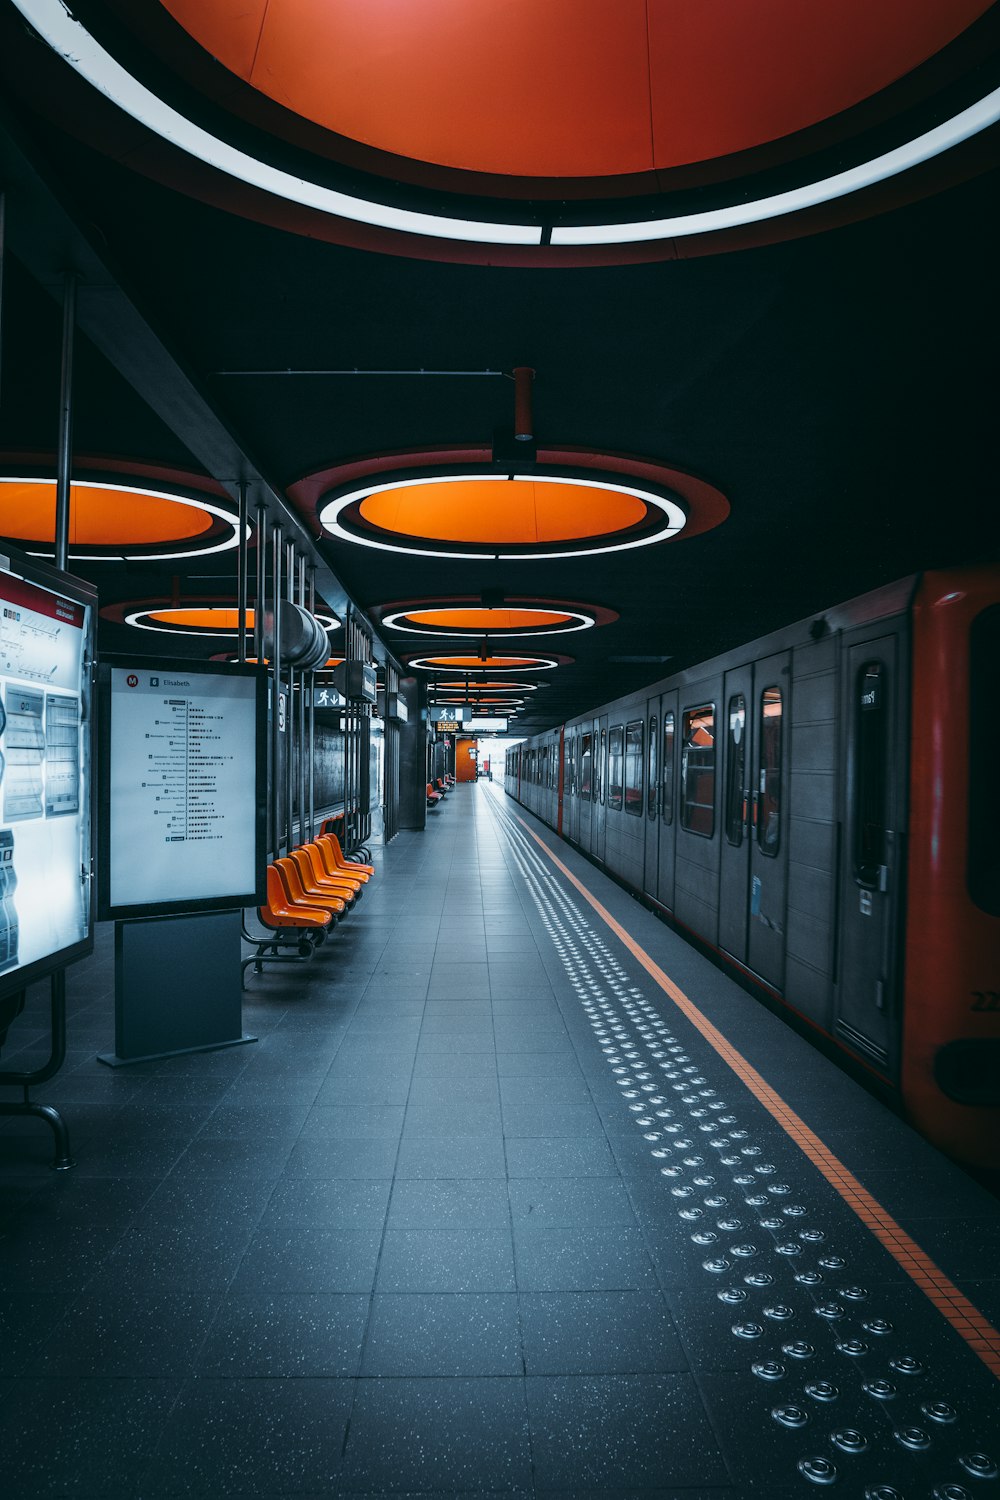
(260, 596)
(290, 710)
(305, 683)
(348, 739)
(65, 453)
(275, 798)
(312, 720)
(241, 574)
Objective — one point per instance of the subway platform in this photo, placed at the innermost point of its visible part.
(515, 1195)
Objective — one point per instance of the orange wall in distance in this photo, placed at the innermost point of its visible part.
(465, 766)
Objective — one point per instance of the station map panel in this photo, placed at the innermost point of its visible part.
(183, 766)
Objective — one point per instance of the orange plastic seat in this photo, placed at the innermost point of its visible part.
(297, 895)
(433, 797)
(280, 912)
(323, 853)
(349, 866)
(317, 882)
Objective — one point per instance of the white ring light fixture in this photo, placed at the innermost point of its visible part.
(140, 618)
(524, 664)
(74, 43)
(228, 516)
(329, 517)
(584, 622)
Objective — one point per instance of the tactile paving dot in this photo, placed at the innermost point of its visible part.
(979, 1464)
(849, 1440)
(914, 1438)
(938, 1411)
(820, 1470)
(882, 1390)
(790, 1416)
(822, 1390)
(768, 1369)
(950, 1492)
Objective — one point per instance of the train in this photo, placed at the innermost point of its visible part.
(820, 810)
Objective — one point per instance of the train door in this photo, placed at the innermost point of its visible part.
(871, 856)
(769, 819)
(559, 749)
(651, 810)
(571, 798)
(737, 769)
(754, 854)
(585, 790)
(668, 800)
(599, 824)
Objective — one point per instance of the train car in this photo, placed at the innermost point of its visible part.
(821, 809)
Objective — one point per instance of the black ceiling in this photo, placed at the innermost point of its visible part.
(840, 389)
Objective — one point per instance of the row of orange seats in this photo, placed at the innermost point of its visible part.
(313, 886)
(437, 790)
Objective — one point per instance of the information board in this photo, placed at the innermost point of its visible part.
(46, 655)
(183, 787)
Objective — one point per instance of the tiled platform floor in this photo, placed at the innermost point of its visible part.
(416, 1239)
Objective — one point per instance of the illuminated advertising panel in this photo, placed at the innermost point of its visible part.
(46, 656)
(183, 786)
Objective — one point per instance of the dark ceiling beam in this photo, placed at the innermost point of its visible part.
(43, 231)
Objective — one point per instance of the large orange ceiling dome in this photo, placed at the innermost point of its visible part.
(579, 89)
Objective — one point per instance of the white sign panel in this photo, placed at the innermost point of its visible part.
(44, 807)
(182, 787)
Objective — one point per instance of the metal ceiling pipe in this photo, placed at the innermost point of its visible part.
(64, 461)
(523, 422)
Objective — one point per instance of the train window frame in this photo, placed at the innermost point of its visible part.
(616, 799)
(652, 785)
(587, 755)
(870, 782)
(768, 814)
(633, 767)
(705, 767)
(602, 779)
(983, 856)
(667, 768)
(734, 811)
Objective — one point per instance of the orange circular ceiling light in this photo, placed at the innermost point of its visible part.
(111, 521)
(487, 664)
(575, 89)
(198, 620)
(481, 621)
(473, 686)
(502, 515)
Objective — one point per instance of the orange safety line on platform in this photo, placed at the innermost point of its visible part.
(967, 1320)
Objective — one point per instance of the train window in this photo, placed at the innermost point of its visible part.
(651, 786)
(569, 777)
(871, 747)
(668, 767)
(586, 765)
(633, 769)
(769, 772)
(615, 768)
(698, 770)
(602, 775)
(736, 753)
(984, 783)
